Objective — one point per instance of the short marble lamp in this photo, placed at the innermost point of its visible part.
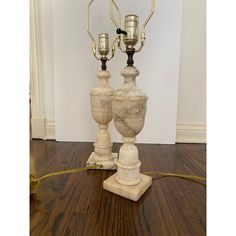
(129, 108)
(101, 107)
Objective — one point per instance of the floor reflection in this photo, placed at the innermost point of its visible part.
(35, 204)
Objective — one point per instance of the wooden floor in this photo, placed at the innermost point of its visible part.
(76, 204)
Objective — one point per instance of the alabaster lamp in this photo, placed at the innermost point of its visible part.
(129, 108)
(100, 100)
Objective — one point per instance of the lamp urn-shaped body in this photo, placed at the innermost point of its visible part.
(129, 108)
(129, 105)
(101, 108)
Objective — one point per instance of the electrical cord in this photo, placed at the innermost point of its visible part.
(192, 178)
(175, 175)
(36, 181)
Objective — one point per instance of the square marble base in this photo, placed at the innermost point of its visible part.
(133, 192)
(107, 165)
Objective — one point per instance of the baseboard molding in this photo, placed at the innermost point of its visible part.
(43, 128)
(191, 133)
(38, 127)
(50, 129)
(185, 133)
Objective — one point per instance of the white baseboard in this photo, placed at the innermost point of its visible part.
(191, 133)
(38, 127)
(185, 133)
(43, 128)
(50, 129)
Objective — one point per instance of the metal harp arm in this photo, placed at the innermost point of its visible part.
(89, 33)
(142, 36)
(116, 21)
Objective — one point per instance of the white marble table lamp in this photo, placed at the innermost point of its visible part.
(101, 106)
(129, 109)
(100, 100)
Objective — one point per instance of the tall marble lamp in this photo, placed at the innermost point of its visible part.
(129, 107)
(100, 100)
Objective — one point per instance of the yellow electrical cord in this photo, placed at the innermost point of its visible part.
(35, 181)
(175, 175)
(184, 176)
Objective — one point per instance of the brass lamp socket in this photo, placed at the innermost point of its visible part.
(103, 44)
(131, 27)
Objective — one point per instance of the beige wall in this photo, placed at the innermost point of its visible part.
(191, 118)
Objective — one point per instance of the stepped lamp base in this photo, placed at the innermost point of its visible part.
(107, 165)
(132, 192)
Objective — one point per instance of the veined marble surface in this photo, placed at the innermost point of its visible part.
(133, 192)
(129, 105)
(101, 108)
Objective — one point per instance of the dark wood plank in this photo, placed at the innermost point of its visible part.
(76, 204)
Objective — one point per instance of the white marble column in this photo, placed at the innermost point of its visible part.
(101, 107)
(129, 109)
